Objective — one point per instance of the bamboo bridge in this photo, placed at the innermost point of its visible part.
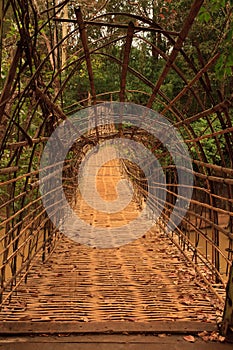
(157, 280)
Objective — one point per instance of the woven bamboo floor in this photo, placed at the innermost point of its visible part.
(145, 280)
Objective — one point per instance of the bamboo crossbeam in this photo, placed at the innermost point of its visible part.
(218, 168)
(8, 170)
(208, 136)
(220, 107)
(118, 26)
(35, 172)
(16, 145)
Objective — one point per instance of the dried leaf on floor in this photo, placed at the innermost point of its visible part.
(162, 335)
(189, 338)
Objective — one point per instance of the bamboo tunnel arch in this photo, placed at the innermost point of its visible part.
(26, 232)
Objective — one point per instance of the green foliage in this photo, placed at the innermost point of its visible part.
(202, 128)
(218, 14)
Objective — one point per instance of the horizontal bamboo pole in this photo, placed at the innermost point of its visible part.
(8, 170)
(15, 145)
(118, 26)
(35, 172)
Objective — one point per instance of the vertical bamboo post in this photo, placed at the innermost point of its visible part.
(64, 34)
